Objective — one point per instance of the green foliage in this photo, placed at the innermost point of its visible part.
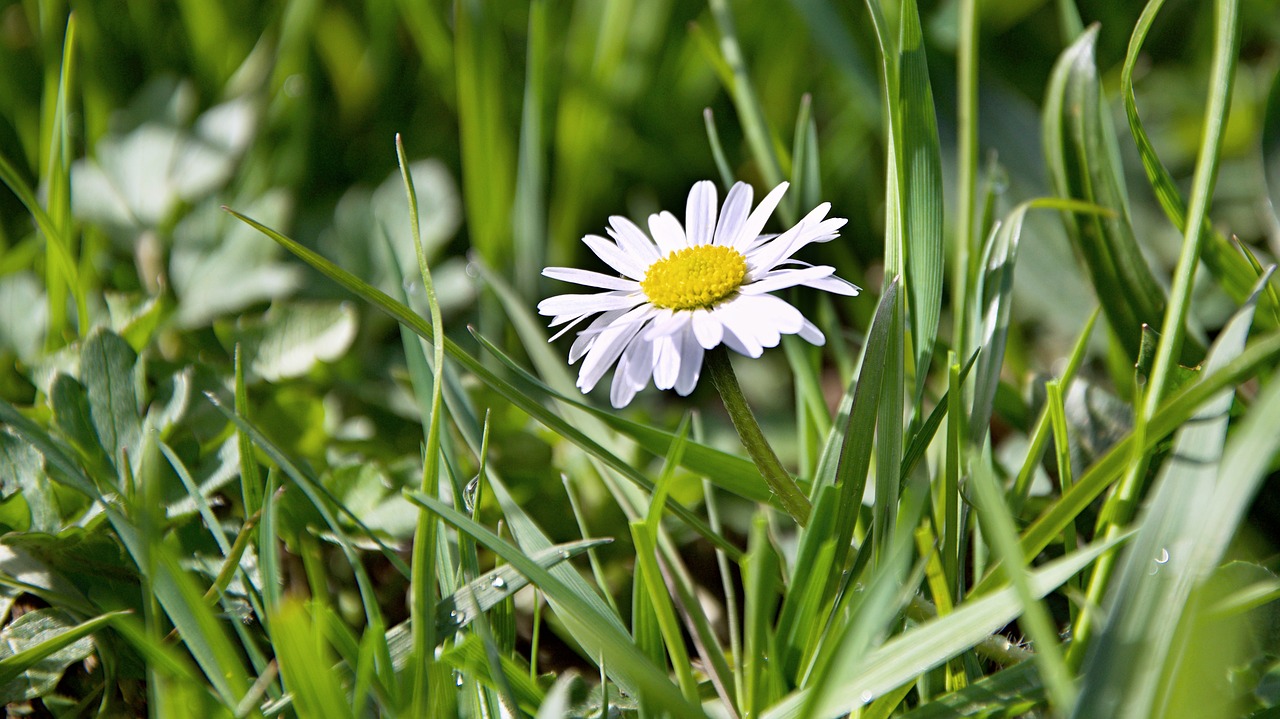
(282, 435)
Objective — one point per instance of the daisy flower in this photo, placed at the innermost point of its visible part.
(686, 289)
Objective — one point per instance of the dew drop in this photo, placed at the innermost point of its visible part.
(499, 583)
(1164, 556)
(457, 678)
(469, 493)
(866, 697)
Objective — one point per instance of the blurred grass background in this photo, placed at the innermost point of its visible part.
(527, 124)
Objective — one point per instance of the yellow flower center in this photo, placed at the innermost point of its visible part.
(695, 277)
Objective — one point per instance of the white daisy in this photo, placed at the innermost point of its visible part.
(689, 289)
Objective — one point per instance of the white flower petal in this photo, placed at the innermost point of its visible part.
(780, 279)
(587, 304)
(609, 346)
(834, 285)
(700, 213)
(615, 257)
(734, 213)
(667, 232)
(690, 364)
(590, 279)
(707, 329)
(743, 346)
(811, 334)
(759, 320)
(633, 240)
(666, 361)
(644, 343)
(772, 312)
(755, 223)
(621, 392)
(567, 327)
(771, 254)
(639, 356)
(667, 324)
(588, 336)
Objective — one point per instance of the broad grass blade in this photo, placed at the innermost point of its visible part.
(1147, 598)
(1083, 160)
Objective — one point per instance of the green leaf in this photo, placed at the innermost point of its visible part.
(219, 267)
(107, 368)
(37, 647)
(73, 418)
(290, 339)
(22, 471)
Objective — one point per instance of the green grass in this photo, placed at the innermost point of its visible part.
(281, 433)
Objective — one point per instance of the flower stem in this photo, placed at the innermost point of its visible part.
(780, 482)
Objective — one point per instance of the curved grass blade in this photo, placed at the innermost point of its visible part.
(597, 634)
(994, 293)
(456, 611)
(407, 317)
(1080, 149)
(1233, 271)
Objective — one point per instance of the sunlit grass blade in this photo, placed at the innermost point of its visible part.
(993, 297)
(1121, 505)
(921, 178)
(750, 114)
(760, 587)
(664, 612)
(717, 150)
(468, 657)
(1016, 689)
(422, 606)
(903, 657)
(1148, 596)
(15, 664)
(1080, 149)
(455, 611)
(305, 664)
(61, 272)
(595, 632)
(488, 167)
(999, 530)
(529, 214)
(407, 317)
(857, 434)
(1176, 410)
(1233, 272)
